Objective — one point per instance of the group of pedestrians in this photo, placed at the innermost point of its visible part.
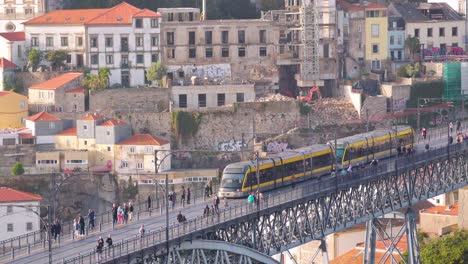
(100, 247)
(79, 226)
(56, 229)
(122, 214)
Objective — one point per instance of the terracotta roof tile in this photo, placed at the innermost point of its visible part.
(13, 36)
(356, 256)
(146, 13)
(77, 90)
(442, 210)
(120, 14)
(26, 135)
(68, 17)
(113, 122)
(57, 82)
(6, 64)
(92, 117)
(3, 93)
(12, 195)
(143, 140)
(68, 132)
(359, 7)
(43, 117)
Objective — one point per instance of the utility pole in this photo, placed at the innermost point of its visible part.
(167, 220)
(419, 116)
(53, 185)
(257, 172)
(49, 233)
(156, 183)
(367, 119)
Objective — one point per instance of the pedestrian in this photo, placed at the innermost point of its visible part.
(125, 211)
(458, 126)
(130, 211)
(142, 231)
(424, 133)
(114, 213)
(180, 217)
(82, 226)
(171, 202)
(427, 146)
(58, 229)
(76, 225)
(450, 139)
(188, 195)
(174, 199)
(251, 198)
(91, 217)
(216, 203)
(225, 202)
(207, 191)
(109, 244)
(210, 185)
(206, 211)
(149, 202)
(99, 246)
(120, 215)
(182, 197)
(451, 127)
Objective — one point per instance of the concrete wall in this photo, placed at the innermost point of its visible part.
(19, 218)
(374, 106)
(433, 223)
(116, 134)
(89, 132)
(437, 67)
(9, 155)
(346, 91)
(396, 91)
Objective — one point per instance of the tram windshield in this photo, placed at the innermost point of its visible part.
(232, 180)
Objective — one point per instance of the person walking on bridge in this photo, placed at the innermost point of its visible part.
(109, 244)
(188, 195)
(82, 226)
(91, 217)
(114, 213)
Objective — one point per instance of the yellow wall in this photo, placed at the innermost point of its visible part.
(89, 146)
(66, 142)
(13, 107)
(102, 155)
(381, 39)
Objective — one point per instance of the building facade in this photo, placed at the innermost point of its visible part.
(14, 12)
(13, 109)
(12, 47)
(376, 26)
(45, 126)
(396, 38)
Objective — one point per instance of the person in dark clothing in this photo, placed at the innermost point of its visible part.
(91, 217)
(450, 140)
(130, 211)
(114, 214)
(57, 229)
(149, 202)
(182, 197)
(126, 212)
(206, 211)
(458, 126)
(188, 195)
(207, 191)
(99, 247)
(82, 225)
(216, 204)
(180, 218)
(109, 244)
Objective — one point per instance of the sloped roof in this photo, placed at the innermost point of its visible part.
(67, 17)
(121, 14)
(92, 117)
(12, 195)
(356, 256)
(143, 140)
(147, 13)
(442, 210)
(113, 122)
(3, 93)
(42, 117)
(68, 132)
(13, 36)
(57, 82)
(77, 90)
(413, 12)
(360, 6)
(6, 64)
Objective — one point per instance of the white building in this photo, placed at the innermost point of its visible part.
(123, 38)
(19, 211)
(12, 47)
(14, 12)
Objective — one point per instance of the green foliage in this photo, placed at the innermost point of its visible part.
(17, 169)
(433, 89)
(8, 84)
(156, 72)
(185, 124)
(413, 45)
(97, 82)
(34, 57)
(56, 58)
(401, 72)
(131, 190)
(452, 248)
(304, 109)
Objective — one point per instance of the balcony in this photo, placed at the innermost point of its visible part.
(124, 48)
(125, 65)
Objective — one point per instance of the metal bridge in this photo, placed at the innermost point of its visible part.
(310, 211)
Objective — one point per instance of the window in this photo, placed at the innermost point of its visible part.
(148, 150)
(192, 53)
(400, 40)
(79, 41)
(170, 38)
(262, 36)
(224, 52)
(139, 41)
(441, 32)
(454, 31)
(9, 209)
(132, 149)
(9, 11)
(240, 97)
(140, 59)
(69, 60)
(202, 100)
(225, 37)
(241, 36)
(49, 41)
(64, 41)
(241, 52)
(29, 226)
(76, 161)
(392, 40)
(155, 40)
(373, 13)
(154, 57)
(20, 51)
(109, 59)
(10, 227)
(170, 17)
(454, 45)
(375, 30)
(124, 164)
(326, 50)
(182, 100)
(180, 17)
(22, 104)
(138, 23)
(85, 127)
(376, 65)
(109, 149)
(375, 48)
(28, 11)
(416, 32)
(108, 132)
(94, 42)
(171, 53)
(51, 125)
(85, 142)
(209, 52)
(34, 41)
(94, 59)
(154, 23)
(262, 51)
(221, 99)
(359, 29)
(429, 32)
(190, 15)
(208, 37)
(140, 165)
(191, 38)
(109, 42)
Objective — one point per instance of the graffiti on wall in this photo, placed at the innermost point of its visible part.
(211, 71)
(276, 147)
(231, 145)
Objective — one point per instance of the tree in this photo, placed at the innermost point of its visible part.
(452, 248)
(156, 72)
(17, 169)
(413, 45)
(99, 81)
(104, 76)
(56, 58)
(35, 57)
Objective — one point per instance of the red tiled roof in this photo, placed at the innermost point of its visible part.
(144, 140)
(147, 13)
(92, 117)
(26, 135)
(6, 64)
(120, 14)
(68, 132)
(358, 7)
(13, 36)
(355, 256)
(77, 90)
(113, 122)
(42, 117)
(57, 82)
(442, 210)
(12, 195)
(69, 17)
(3, 93)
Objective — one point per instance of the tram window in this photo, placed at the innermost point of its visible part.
(321, 161)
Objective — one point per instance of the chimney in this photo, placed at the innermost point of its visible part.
(203, 16)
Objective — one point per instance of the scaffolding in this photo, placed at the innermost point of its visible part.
(452, 81)
(310, 64)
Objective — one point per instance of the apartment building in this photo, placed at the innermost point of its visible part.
(13, 109)
(123, 38)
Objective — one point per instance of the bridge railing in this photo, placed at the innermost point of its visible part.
(25, 243)
(319, 187)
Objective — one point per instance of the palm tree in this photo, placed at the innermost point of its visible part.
(413, 45)
(104, 77)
